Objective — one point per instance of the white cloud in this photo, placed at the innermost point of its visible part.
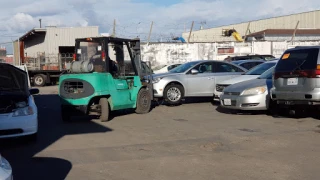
(134, 18)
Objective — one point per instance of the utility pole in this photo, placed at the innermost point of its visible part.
(114, 28)
(150, 33)
(190, 31)
(40, 22)
(245, 36)
(294, 32)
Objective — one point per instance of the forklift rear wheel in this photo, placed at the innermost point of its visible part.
(143, 102)
(104, 107)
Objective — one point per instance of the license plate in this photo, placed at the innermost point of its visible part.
(292, 81)
(227, 102)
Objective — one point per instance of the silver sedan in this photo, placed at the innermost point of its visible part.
(193, 79)
(249, 95)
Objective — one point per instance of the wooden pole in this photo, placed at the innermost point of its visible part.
(245, 36)
(114, 28)
(294, 32)
(150, 33)
(190, 31)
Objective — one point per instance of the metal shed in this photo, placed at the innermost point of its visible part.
(50, 42)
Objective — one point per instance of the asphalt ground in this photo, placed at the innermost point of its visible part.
(197, 140)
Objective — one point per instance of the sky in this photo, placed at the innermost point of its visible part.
(134, 17)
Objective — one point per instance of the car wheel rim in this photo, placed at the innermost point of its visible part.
(38, 80)
(174, 94)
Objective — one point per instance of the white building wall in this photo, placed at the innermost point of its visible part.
(167, 53)
(32, 47)
(307, 20)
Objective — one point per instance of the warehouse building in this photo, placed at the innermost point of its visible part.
(308, 21)
(49, 44)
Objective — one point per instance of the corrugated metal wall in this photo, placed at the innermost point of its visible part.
(65, 36)
(58, 36)
(307, 20)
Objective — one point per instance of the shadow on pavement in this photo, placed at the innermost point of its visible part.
(187, 100)
(20, 153)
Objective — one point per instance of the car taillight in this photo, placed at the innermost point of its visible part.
(300, 73)
(74, 57)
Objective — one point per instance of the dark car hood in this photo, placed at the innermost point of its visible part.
(241, 86)
(13, 80)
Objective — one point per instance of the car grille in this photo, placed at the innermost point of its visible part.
(73, 87)
(232, 93)
(220, 87)
(10, 132)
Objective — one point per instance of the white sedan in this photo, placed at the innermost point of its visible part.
(5, 169)
(18, 111)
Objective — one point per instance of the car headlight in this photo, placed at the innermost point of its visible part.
(156, 80)
(254, 91)
(26, 111)
(5, 165)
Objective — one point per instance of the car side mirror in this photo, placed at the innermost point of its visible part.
(34, 91)
(194, 71)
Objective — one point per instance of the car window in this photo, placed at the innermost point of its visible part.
(224, 67)
(256, 57)
(204, 67)
(261, 68)
(302, 59)
(267, 74)
(183, 67)
(248, 65)
(171, 67)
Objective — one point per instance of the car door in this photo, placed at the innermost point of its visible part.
(224, 71)
(201, 83)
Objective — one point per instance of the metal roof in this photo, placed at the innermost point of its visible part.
(31, 32)
(285, 32)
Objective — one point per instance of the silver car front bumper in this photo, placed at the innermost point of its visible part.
(249, 102)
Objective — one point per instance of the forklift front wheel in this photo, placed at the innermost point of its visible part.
(143, 102)
(104, 108)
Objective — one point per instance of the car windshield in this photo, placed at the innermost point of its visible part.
(267, 74)
(261, 68)
(159, 67)
(183, 67)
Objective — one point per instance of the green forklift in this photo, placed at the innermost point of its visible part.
(106, 74)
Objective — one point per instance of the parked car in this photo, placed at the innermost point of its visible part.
(164, 68)
(196, 78)
(249, 95)
(5, 169)
(296, 78)
(248, 64)
(18, 111)
(256, 56)
(251, 74)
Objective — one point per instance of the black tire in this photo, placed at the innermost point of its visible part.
(104, 108)
(39, 80)
(143, 102)
(173, 88)
(273, 110)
